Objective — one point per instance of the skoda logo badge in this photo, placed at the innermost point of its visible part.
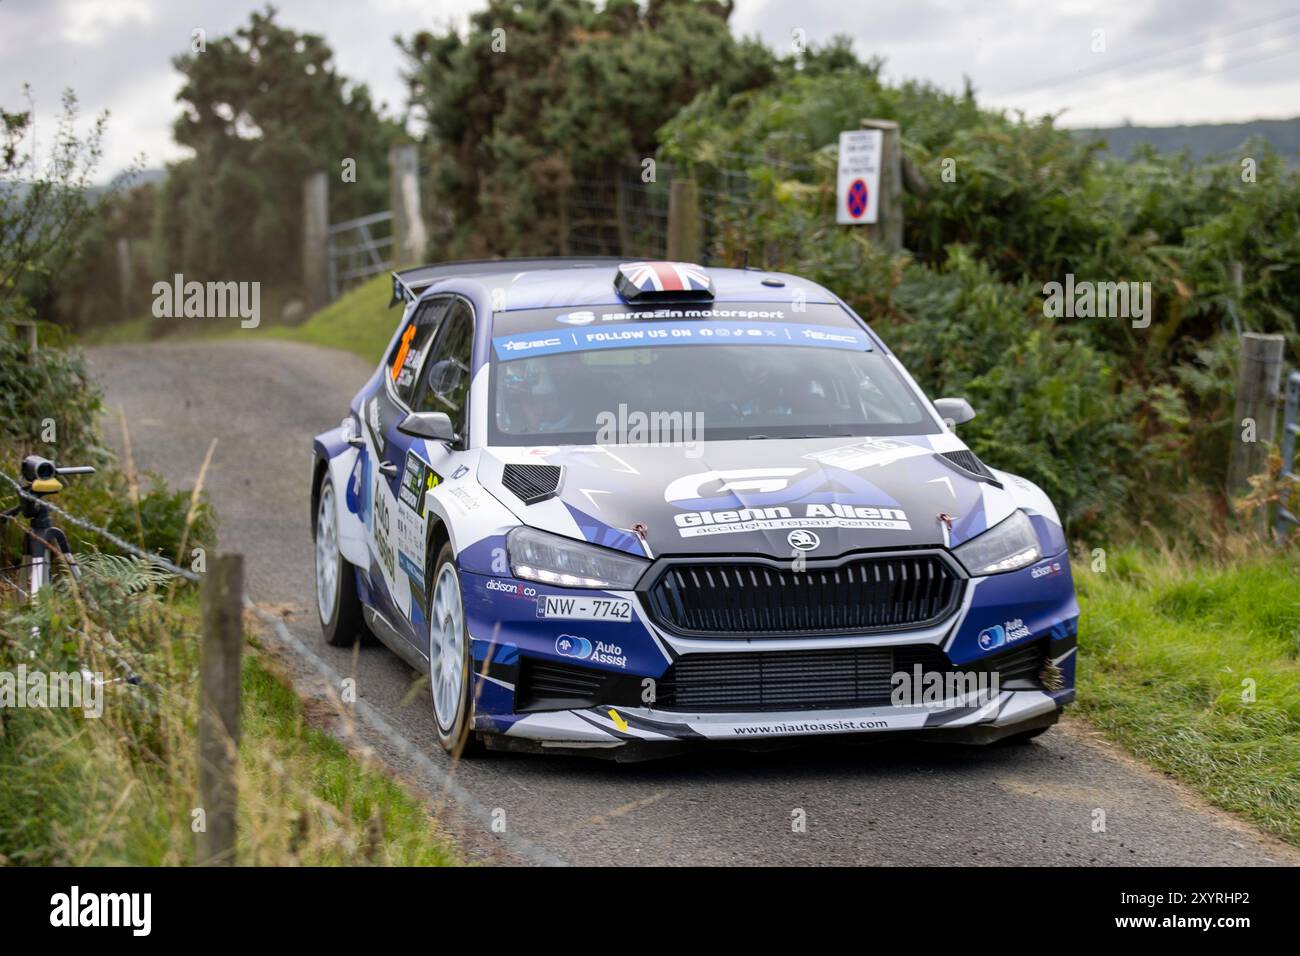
(803, 540)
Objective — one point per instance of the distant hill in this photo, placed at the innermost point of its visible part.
(1203, 140)
(130, 182)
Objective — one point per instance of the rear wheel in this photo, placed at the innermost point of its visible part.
(450, 663)
(336, 580)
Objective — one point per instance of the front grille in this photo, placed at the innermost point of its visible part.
(859, 595)
(551, 685)
(821, 679)
(544, 685)
(789, 680)
(764, 680)
(1021, 663)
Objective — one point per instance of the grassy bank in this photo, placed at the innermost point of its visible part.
(359, 321)
(121, 788)
(1195, 668)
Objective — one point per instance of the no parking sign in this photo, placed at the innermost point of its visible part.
(859, 176)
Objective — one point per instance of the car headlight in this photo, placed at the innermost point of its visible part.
(563, 562)
(1007, 546)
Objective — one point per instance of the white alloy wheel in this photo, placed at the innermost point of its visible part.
(447, 647)
(327, 555)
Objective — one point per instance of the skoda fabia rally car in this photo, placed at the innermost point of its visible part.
(622, 507)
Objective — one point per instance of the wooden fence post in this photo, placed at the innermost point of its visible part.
(1259, 374)
(685, 241)
(315, 241)
(25, 332)
(124, 277)
(888, 228)
(221, 602)
(409, 234)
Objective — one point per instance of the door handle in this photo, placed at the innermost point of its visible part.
(387, 469)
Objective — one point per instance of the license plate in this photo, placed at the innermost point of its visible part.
(584, 608)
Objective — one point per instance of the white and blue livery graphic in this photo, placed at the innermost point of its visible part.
(625, 508)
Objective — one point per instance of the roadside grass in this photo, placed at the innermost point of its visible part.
(358, 322)
(1194, 666)
(139, 329)
(121, 789)
(146, 328)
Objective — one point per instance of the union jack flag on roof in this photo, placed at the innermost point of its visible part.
(660, 281)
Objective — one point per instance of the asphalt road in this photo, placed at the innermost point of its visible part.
(922, 804)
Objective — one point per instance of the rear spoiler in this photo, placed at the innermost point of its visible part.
(409, 283)
(401, 291)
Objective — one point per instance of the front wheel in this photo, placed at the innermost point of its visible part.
(336, 581)
(450, 660)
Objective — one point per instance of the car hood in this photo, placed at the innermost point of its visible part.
(823, 496)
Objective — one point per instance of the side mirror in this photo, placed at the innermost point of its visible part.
(954, 411)
(435, 426)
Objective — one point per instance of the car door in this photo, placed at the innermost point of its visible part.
(383, 411)
(419, 465)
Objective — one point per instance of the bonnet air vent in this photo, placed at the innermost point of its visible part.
(969, 464)
(531, 483)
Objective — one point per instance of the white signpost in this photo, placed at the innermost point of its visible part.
(858, 195)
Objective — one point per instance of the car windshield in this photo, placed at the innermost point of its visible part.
(720, 381)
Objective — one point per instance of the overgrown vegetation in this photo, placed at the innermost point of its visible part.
(1121, 425)
(121, 788)
(50, 406)
(117, 785)
(47, 204)
(262, 108)
(538, 96)
(1194, 666)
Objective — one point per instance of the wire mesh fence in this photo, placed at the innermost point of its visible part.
(627, 213)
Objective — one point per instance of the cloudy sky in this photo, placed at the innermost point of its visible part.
(1151, 62)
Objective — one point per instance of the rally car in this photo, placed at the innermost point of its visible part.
(626, 507)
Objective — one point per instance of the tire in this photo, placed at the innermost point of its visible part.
(450, 663)
(337, 604)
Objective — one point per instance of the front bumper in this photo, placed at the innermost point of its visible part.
(630, 734)
(998, 617)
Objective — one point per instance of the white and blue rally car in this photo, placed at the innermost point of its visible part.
(622, 507)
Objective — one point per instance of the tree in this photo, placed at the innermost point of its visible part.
(542, 97)
(44, 208)
(263, 108)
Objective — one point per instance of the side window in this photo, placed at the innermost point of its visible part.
(404, 361)
(447, 371)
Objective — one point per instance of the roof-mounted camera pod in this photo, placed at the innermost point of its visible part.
(646, 282)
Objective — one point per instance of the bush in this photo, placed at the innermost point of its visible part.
(1121, 426)
(50, 406)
